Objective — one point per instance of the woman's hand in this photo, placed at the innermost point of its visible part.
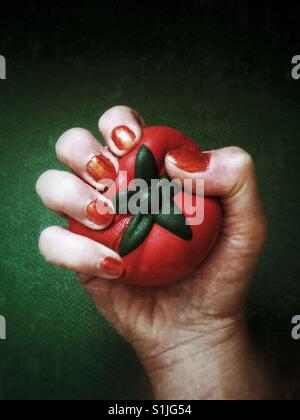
(191, 336)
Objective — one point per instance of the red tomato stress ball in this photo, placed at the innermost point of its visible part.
(158, 249)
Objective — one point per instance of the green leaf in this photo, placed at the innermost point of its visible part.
(145, 165)
(137, 231)
(170, 217)
(174, 221)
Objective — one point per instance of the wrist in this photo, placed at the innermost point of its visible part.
(222, 365)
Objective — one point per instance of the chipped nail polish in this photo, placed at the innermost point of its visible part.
(100, 213)
(123, 137)
(100, 167)
(190, 162)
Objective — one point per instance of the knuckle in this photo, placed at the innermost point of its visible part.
(54, 187)
(68, 140)
(66, 188)
(43, 180)
(46, 239)
(112, 114)
(68, 185)
(105, 118)
(241, 160)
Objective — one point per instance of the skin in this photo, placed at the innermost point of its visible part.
(192, 337)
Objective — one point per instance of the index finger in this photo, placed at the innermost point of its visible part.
(121, 128)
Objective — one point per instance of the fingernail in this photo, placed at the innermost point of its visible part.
(189, 162)
(123, 137)
(100, 167)
(112, 267)
(100, 213)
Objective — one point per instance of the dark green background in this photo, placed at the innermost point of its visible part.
(217, 70)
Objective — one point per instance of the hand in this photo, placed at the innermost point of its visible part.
(191, 336)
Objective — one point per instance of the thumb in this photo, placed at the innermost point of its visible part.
(229, 174)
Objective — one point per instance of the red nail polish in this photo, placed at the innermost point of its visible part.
(100, 213)
(190, 162)
(112, 266)
(100, 167)
(123, 137)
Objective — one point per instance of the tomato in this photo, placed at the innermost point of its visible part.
(157, 250)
